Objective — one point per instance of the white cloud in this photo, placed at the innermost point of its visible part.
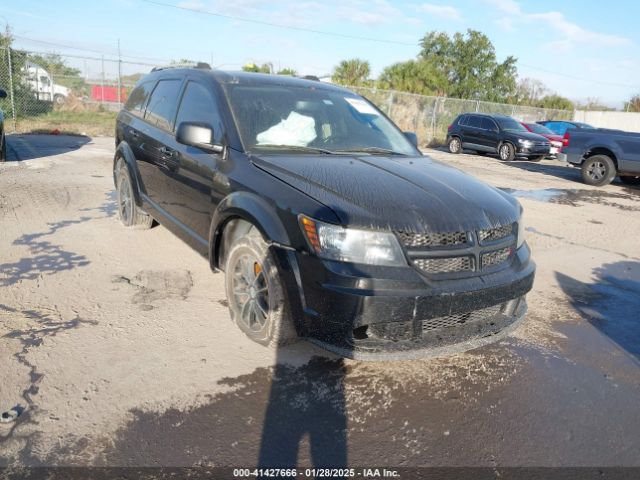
(570, 33)
(443, 11)
(510, 7)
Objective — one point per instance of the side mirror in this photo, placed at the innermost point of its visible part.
(3, 94)
(197, 135)
(412, 137)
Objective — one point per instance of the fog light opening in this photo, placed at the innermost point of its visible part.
(360, 333)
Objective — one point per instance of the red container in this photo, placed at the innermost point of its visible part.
(107, 94)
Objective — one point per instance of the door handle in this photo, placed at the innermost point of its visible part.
(166, 151)
(134, 133)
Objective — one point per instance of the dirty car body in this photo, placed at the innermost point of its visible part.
(380, 251)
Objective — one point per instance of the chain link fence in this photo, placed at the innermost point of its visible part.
(82, 94)
(49, 92)
(430, 117)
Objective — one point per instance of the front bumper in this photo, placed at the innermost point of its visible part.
(532, 151)
(368, 312)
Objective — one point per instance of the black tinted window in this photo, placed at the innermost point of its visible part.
(462, 120)
(474, 121)
(199, 105)
(138, 98)
(489, 124)
(162, 104)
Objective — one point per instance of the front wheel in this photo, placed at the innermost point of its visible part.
(255, 293)
(507, 152)
(630, 180)
(130, 214)
(455, 145)
(598, 170)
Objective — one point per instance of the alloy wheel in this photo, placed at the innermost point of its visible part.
(250, 292)
(597, 170)
(504, 152)
(125, 201)
(454, 145)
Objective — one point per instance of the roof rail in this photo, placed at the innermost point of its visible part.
(200, 65)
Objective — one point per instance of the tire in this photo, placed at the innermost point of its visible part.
(598, 170)
(59, 99)
(255, 294)
(3, 148)
(130, 214)
(455, 145)
(630, 180)
(536, 159)
(506, 152)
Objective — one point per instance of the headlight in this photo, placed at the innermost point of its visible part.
(525, 143)
(334, 242)
(520, 238)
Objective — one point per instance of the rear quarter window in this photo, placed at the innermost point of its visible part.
(138, 99)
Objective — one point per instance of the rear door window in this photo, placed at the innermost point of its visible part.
(162, 104)
(138, 99)
(489, 124)
(474, 121)
(198, 105)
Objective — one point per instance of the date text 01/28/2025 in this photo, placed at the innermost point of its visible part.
(242, 473)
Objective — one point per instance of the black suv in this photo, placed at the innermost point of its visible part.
(3, 146)
(499, 134)
(327, 221)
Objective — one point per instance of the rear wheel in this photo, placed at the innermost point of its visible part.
(455, 145)
(255, 293)
(130, 214)
(630, 180)
(598, 170)
(3, 148)
(507, 152)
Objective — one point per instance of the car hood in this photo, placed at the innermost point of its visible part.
(408, 194)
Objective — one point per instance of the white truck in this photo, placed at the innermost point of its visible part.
(42, 84)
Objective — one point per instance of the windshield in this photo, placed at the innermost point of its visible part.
(302, 119)
(510, 124)
(540, 129)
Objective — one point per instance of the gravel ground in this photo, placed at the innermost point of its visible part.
(117, 345)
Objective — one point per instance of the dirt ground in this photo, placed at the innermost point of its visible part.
(117, 345)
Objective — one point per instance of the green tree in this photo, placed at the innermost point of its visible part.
(354, 72)
(633, 105)
(555, 101)
(287, 71)
(415, 76)
(252, 67)
(468, 61)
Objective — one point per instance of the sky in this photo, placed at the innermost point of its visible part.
(579, 49)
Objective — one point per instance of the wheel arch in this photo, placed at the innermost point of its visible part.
(245, 207)
(124, 152)
(600, 150)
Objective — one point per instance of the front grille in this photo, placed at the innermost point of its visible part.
(433, 239)
(444, 265)
(496, 257)
(460, 318)
(496, 233)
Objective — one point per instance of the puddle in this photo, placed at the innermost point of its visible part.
(574, 197)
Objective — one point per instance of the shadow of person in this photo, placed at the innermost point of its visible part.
(306, 401)
(611, 304)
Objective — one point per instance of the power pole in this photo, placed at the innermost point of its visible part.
(119, 76)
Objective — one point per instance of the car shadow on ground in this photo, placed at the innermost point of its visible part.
(611, 304)
(32, 146)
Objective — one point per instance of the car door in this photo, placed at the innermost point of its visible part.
(155, 159)
(488, 135)
(193, 191)
(471, 135)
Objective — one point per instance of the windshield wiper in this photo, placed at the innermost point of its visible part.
(297, 148)
(384, 151)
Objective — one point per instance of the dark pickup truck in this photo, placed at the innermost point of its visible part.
(602, 154)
